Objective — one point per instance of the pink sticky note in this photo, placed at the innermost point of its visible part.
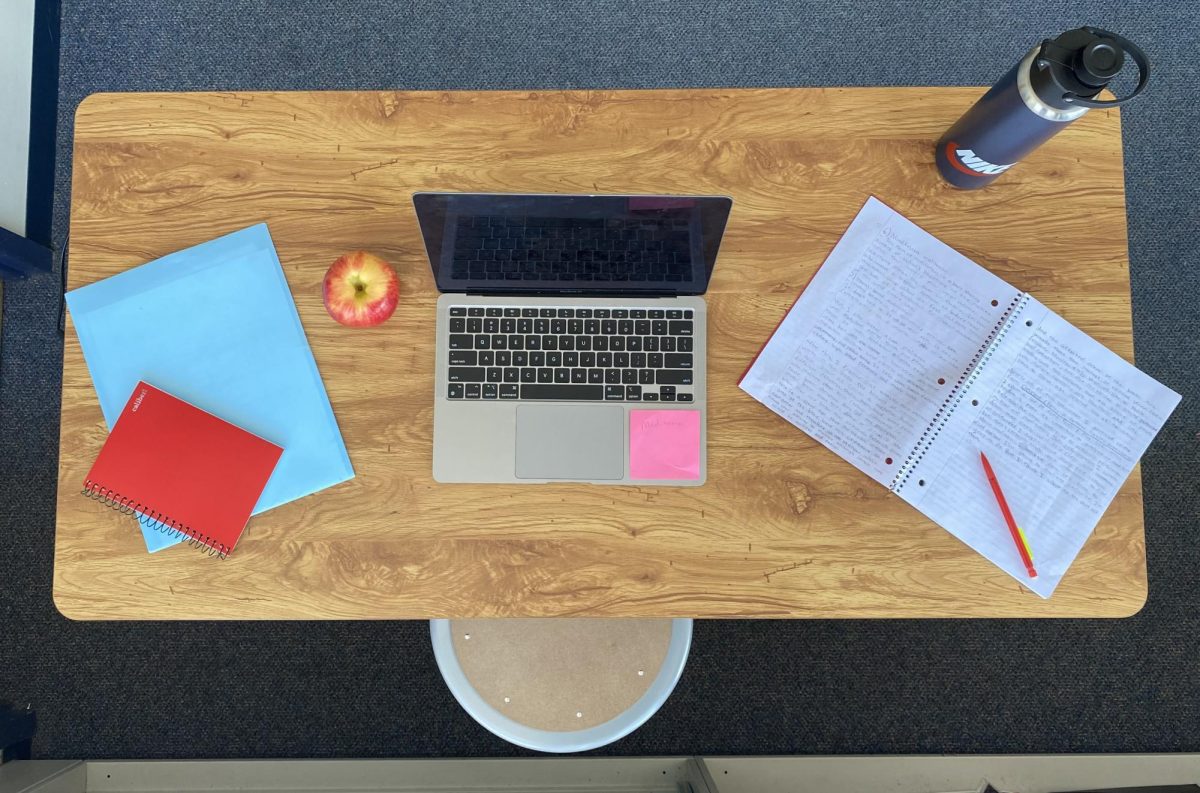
(664, 444)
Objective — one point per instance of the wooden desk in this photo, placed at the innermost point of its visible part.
(783, 528)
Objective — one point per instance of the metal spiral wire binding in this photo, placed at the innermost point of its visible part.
(154, 519)
(952, 400)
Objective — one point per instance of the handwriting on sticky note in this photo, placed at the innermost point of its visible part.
(664, 444)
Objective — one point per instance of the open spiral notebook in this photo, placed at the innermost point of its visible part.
(907, 359)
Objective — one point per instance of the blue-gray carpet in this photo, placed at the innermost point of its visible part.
(371, 689)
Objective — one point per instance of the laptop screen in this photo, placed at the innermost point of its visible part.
(495, 243)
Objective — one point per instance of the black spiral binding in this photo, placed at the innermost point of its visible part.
(952, 400)
(154, 519)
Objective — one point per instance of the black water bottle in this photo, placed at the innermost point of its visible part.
(1054, 84)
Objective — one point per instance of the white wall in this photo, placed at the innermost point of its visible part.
(16, 62)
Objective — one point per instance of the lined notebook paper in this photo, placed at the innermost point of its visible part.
(907, 359)
(216, 325)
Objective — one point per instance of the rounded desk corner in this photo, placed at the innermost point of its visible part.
(97, 97)
(1132, 609)
(65, 610)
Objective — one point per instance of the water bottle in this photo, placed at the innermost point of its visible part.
(1053, 85)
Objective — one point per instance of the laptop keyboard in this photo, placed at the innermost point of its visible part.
(571, 354)
(509, 248)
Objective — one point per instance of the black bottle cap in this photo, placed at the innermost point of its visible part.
(1079, 63)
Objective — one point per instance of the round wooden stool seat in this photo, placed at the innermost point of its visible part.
(561, 685)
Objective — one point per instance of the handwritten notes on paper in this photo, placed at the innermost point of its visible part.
(885, 358)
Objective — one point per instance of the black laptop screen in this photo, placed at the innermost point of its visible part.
(495, 243)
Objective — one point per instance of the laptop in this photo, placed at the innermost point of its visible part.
(562, 319)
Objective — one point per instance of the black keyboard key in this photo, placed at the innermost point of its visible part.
(566, 342)
(646, 376)
(658, 327)
(566, 312)
(558, 326)
(475, 311)
(520, 358)
(642, 327)
(620, 313)
(625, 327)
(650, 343)
(667, 397)
(616, 343)
(499, 342)
(549, 342)
(458, 325)
(613, 392)
(491, 325)
(483, 342)
(491, 391)
(541, 326)
(579, 375)
(455, 391)
(529, 312)
(533, 342)
(508, 325)
(516, 341)
(587, 359)
(465, 374)
(583, 313)
(583, 342)
(572, 392)
(591, 327)
(463, 358)
(524, 325)
(570, 359)
(600, 343)
(545, 375)
(678, 361)
(512, 312)
(684, 397)
(629, 376)
(510, 391)
(512, 374)
(546, 312)
(681, 328)
(554, 359)
(637, 313)
(604, 359)
(687, 313)
(487, 358)
(637, 360)
(684, 344)
(621, 360)
(562, 375)
(537, 358)
(575, 326)
(612, 376)
(654, 360)
(667, 344)
(633, 343)
(473, 390)
(674, 313)
(649, 396)
(608, 326)
(458, 311)
(493, 311)
(667, 389)
(601, 313)
(495, 374)
(461, 341)
(474, 325)
(504, 358)
(633, 393)
(528, 375)
(673, 376)
(656, 313)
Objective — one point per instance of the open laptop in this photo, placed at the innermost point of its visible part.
(561, 315)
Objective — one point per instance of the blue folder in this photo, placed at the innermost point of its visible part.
(215, 325)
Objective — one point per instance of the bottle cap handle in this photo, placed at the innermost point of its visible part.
(1139, 58)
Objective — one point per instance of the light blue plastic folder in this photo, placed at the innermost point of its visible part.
(215, 325)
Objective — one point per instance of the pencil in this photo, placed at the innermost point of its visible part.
(1017, 535)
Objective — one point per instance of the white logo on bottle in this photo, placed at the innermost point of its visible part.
(977, 163)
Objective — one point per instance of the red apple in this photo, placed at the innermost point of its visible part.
(360, 290)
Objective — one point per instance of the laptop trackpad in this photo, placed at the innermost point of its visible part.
(570, 442)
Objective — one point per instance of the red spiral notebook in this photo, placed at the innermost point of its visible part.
(182, 468)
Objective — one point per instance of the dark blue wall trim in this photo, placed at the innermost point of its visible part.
(43, 120)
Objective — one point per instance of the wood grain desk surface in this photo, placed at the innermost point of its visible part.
(782, 528)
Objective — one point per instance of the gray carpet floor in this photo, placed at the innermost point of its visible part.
(343, 689)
